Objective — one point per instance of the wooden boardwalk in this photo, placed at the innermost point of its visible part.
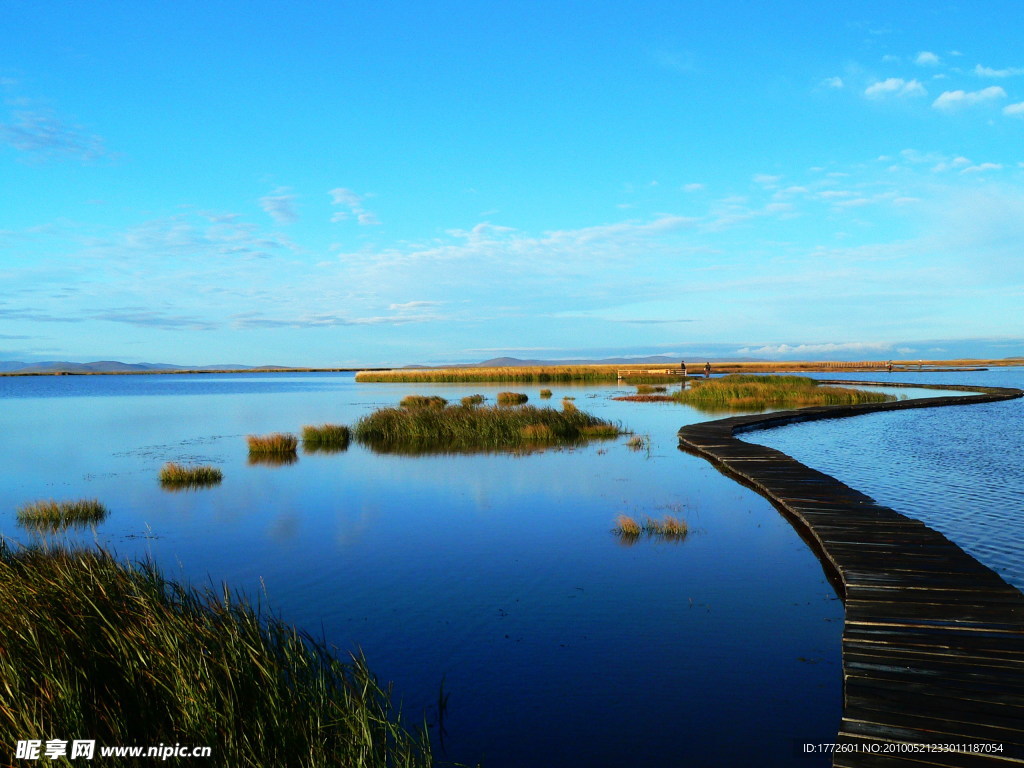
(933, 641)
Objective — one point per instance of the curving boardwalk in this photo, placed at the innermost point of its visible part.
(933, 641)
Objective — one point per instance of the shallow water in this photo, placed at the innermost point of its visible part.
(497, 573)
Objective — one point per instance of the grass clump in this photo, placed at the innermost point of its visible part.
(116, 651)
(275, 443)
(423, 401)
(746, 392)
(325, 437)
(55, 515)
(647, 389)
(638, 442)
(458, 429)
(176, 476)
(511, 398)
(471, 400)
(668, 528)
(545, 394)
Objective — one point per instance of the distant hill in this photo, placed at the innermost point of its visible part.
(510, 362)
(108, 366)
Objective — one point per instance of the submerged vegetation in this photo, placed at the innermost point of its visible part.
(117, 652)
(669, 528)
(55, 515)
(179, 476)
(460, 429)
(511, 398)
(748, 392)
(279, 443)
(325, 437)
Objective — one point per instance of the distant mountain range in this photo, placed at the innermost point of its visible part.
(108, 366)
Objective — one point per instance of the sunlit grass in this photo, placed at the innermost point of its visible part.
(749, 392)
(275, 443)
(471, 400)
(539, 374)
(423, 401)
(118, 653)
(174, 476)
(545, 394)
(54, 515)
(511, 398)
(325, 437)
(668, 528)
(460, 429)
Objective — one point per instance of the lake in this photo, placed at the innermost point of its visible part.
(497, 574)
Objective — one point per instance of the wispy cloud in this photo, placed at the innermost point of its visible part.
(981, 71)
(280, 205)
(894, 86)
(44, 135)
(951, 100)
(151, 319)
(1014, 110)
(351, 205)
(832, 82)
(814, 350)
(982, 167)
(927, 59)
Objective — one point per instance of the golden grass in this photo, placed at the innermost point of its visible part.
(470, 400)
(528, 374)
(668, 528)
(423, 401)
(174, 476)
(325, 438)
(545, 394)
(511, 398)
(647, 389)
(54, 515)
(277, 442)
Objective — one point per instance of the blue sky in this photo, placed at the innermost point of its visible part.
(357, 183)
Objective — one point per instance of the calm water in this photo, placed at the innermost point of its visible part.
(497, 573)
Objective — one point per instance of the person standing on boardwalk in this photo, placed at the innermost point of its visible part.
(682, 365)
(707, 370)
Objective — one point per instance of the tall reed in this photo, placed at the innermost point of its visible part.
(174, 476)
(50, 514)
(325, 437)
(115, 652)
(277, 442)
(511, 398)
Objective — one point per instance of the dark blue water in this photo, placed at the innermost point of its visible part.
(498, 573)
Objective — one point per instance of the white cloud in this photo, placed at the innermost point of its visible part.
(44, 135)
(927, 59)
(352, 205)
(1014, 109)
(982, 167)
(787, 350)
(695, 187)
(407, 305)
(280, 206)
(894, 86)
(832, 82)
(981, 71)
(766, 180)
(950, 100)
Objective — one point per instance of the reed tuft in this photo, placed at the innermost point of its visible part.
(275, 443)
(511, 398)
(49, 514)
(177, 476)
(325, 437)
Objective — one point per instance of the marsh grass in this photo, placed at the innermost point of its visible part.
(653, 378)
(52, 515)
(457, 429)
(511, 398)
(180, 476)
(471, 400)
(120, 654)
(647, 389)
(532, 374)
(750, 392)
(325, 438)
(545, 394)
(279, 443)
(639, 442)
(423, 401)
(668, 528)
(568, 406)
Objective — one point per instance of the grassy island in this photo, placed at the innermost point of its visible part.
(325, 438)
(179, 476)
(460, 428)
(55, 515)
(117, 653)
(749, 392)
(526, 375)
